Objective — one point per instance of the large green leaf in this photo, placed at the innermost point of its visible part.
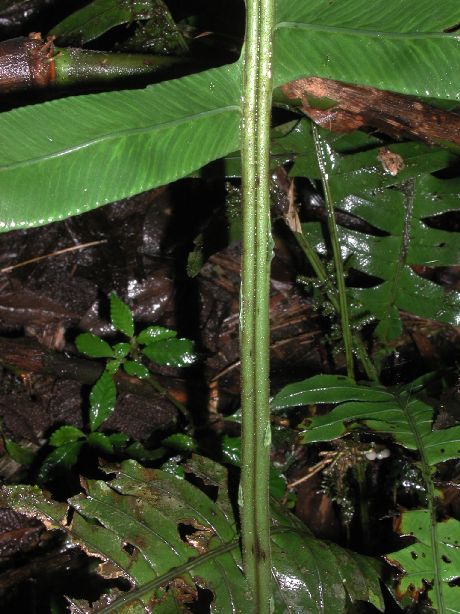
(158, 530)
(82, 152)
(326, 389)
(85, 151)
(384, 43)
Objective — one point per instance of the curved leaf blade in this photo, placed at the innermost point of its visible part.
(326, 389)
(98, 17)
(145, 138)
(66, 434)
(362, 44)
(152, 334)
(139, 138)
(60, 460)
(136, 369)
(398, 206)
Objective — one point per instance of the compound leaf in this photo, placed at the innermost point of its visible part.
(400, 209)
(145, 138)
(161, 532)
(421, 562)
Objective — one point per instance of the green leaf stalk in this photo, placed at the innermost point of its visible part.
(338, 264)
(30, 62)
(255, 282)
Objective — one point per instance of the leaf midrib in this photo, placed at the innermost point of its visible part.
(297, 25)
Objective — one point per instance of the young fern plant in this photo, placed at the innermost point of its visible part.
(159, 344)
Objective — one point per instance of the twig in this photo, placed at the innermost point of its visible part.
(311, 472)
(59, 252)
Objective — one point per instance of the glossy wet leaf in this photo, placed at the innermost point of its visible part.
(136, 369)
(60, 460)
(66, 434)
(94, 346)
(98, 17)
(340, 574)
(102, 400)
(398, 208)
(171, 352)
(121, 350)
(146, 507)
(121, 316)
(145, 138)
(326, 389)
(407, 419)
(421, 562)
(435, 556)
(180, 442)
(155, 333)
(101, 441)
(358, 43)
(140, 139)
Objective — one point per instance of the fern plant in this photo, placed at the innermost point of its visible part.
(400, 210)
(145, 138)
(168, 538)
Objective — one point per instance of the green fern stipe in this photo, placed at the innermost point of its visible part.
(254, 301)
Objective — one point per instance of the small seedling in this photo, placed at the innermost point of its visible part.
(159, 344)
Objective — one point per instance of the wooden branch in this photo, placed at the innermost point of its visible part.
(341, 107)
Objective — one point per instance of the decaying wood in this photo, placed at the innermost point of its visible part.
(352, 107)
